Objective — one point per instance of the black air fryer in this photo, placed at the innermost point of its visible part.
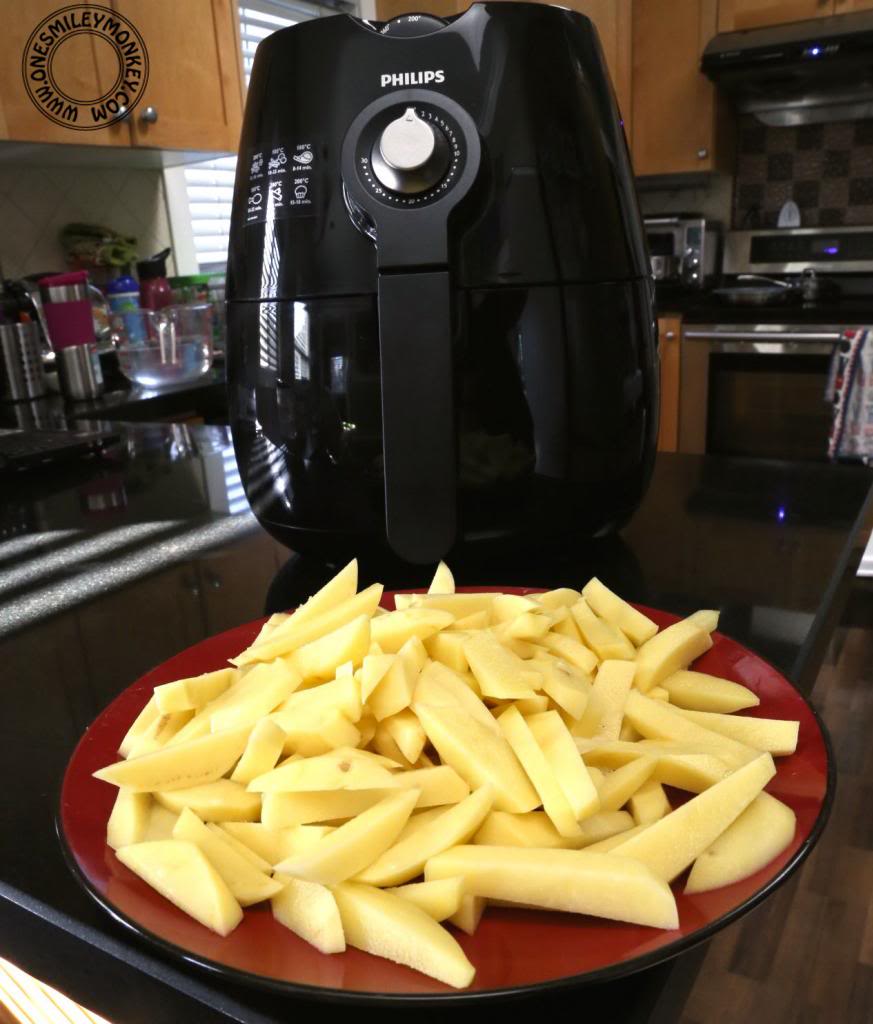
(440, 317)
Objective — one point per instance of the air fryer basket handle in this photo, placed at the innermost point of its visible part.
(418, 420)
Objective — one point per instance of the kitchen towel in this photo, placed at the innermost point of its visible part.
(850, 388)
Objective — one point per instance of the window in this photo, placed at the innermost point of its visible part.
(200, 195)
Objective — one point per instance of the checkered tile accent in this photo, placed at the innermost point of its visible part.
(827, 169)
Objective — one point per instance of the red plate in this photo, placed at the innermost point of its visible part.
(513, 951)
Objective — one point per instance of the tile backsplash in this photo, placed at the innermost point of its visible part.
(36, 202)
(827, 169)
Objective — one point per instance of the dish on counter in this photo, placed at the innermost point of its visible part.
(513, 949)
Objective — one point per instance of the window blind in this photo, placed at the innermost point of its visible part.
(209, 185)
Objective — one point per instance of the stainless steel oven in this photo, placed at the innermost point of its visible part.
(756, 390)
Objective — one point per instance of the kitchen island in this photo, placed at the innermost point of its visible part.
(112, 564)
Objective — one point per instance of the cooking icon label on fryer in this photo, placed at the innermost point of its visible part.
(281, 183)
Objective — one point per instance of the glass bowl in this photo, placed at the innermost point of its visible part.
(158, 347)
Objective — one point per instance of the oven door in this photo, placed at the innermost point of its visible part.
(759, 393)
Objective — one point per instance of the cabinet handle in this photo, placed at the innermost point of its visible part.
(149, 115)
(124, 114)
(702, 153)
(669, 335)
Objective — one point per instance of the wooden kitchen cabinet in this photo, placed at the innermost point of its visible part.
(195, 81)
(669, 341)
(83, 68)
(612, 19)
(234, 580)
(739, 14)
(678, 123)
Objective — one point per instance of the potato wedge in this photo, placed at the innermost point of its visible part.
(574, 881)
(310, 911)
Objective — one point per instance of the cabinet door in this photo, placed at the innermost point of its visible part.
(84, 67)
(195, 76)
(847, 6)
(612, 19)
(675, 124)
(739, 14)
(234, 581)
(669, 334)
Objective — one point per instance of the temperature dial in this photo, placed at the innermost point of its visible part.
(411, 154)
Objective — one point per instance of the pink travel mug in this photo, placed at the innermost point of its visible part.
(67, 306)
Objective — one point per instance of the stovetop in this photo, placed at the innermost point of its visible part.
(707, 308)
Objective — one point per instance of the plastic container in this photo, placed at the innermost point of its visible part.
(176, 344)
(66, 300)
(122, 294)
(154, 288)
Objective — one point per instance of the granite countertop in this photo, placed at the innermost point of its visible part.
(114, 563)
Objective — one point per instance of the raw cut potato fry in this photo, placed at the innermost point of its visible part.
(439, 686)
(571, 651)
(619, 786)
(392, 631)
(758, 835)
(240, 847)
(705, 619)
(469, 914)
(407, 733)
(657, 720)
(407, 857)
(649, 803)
(291, 636)
(668, 846)
(273, 844)
(178, 767)
(310, 911)
(605, 710)
(437, 785)
(773, 735)
(267, 686)
(180, 872)
(282, 810)
(247, 884)
(554, 739)
(129, 820)
(533, 829)
(478, 756)
(698, 691)
(668, 651)
(221, 800)
(160, 824)
(500, 674)
(568, 689)
(539, 771)
(443, 581)
(192, 693)
(319, 660)
(139, 725)
(387, 719)
(340, 769)
(353, 846)
(387, 925)
(263, 749)
(638, 628)
(574, 881)
(607, 641)
(159, 733)
(439, 899)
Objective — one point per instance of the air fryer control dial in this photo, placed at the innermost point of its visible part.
(411, 154)
(407, 25)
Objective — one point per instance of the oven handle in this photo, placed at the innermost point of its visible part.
(831, 337)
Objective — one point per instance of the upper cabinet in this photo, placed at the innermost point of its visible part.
(678, 123)
(83, 69)
(194, 96)
(739, 14)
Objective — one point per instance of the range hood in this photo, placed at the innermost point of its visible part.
(807, 72)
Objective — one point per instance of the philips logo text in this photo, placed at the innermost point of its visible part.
(413, 78)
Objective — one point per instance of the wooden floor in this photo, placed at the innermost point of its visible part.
(806, 955)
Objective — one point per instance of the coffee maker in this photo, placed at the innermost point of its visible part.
(441, 336)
